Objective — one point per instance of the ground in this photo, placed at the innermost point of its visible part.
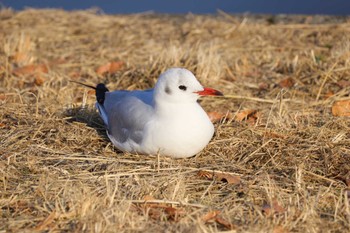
(279, 160)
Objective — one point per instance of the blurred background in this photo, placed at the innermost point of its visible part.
(332, 7)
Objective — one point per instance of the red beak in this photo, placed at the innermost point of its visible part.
(209, 92)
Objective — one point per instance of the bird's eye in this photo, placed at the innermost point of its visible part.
(182, 87)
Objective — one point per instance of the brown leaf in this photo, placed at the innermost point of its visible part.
(230, 179)
(2, 97)
(2, 68)
(115, 66)
(23, 51)
(218, 116)
(2, 125)
(274, 208)
(91, 92)
(328, 94)
(174, 213)
(215, 116)
(20, 57)
(270, 134)
(267, 209)
(215, 216)
(210, 215)
(253, 118)
(277, 207)
(36, 70)
(154, 213)
(110, 67)
(246, 114)
(206, 174)
(286, 83)
(39, 80)
(157, 210)
(341, 108)
(30, 70)
(224, 222)
(148, 198)
(74, 74)
(279, 229)
(222, 176)
(343, 83)
(58, 61)
(263, 86)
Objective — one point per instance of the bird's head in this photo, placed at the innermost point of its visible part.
(179, 85)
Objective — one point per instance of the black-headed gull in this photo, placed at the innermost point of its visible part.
(166, 119)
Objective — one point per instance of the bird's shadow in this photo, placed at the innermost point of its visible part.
(88, 116)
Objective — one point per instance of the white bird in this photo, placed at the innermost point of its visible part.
(166, 119)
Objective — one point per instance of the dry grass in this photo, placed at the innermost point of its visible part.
(58, 172)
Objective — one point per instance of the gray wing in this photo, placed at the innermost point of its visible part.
(126, 113)
(128, 118)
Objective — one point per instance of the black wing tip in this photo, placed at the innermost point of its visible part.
(101, 90)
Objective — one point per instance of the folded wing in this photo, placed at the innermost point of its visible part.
(125, 115)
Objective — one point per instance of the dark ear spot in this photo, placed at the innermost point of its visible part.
(167, 90)
(183, 87)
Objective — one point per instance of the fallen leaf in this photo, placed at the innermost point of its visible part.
(246, 114)
(2, 125)
(222, 176)
(263, 86)
(253, 118)
(230, 179)
(286, 83)
(20, 57)
(74, 74)
(58, 61)
(157, 210)
(277, 207)
(267, 209)
(210, 215)
(23, 51)
(110, 67)
(39, 80)
(30, 69)
(115, 66)
(215, 216)
(274, 208)
(270, 134)
(206, 174)
(2, 97)
(35, 71)
(328, 94)
(91, 92)
(174, 213)
(2, 68)
(279, 229)
(224, 222)
(218, 116)
(343, 83)
(154, 213)
(341, 108)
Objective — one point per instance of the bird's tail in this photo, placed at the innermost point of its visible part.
(100, 89)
